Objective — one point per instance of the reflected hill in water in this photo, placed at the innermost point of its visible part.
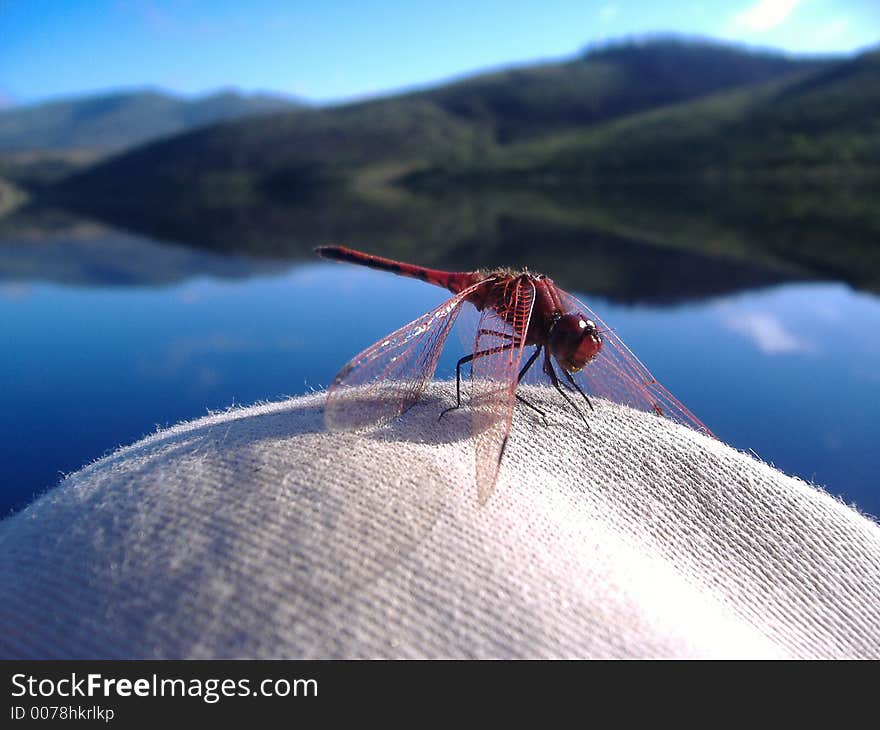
(54, 246)
(659, 171)
(458, 232)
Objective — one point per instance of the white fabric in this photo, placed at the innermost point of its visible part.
(255, 533)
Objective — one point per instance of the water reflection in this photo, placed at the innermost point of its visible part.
(768, 333)
(49, 245)
(107, 335)
(638, 243)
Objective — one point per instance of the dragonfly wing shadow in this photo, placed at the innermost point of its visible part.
(422, 424)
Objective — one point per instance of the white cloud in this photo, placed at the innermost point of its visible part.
(767, 333)
(835, 30)
(609, 11)
(765, 14)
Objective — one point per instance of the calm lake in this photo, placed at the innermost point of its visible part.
(107, 335)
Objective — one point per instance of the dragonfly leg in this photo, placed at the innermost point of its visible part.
(522, 374)
(463, 361)
(533, 407)
(494, 351)
(529, 363)
(548, 368)
(577, 387)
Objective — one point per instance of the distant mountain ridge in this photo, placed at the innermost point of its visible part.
(818, 124)
(460, 126)
(114, 121)
(608, 82)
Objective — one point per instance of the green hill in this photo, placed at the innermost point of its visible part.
(606, 83)
(819, 124)
(453, 126)
(282, 158)
(124, 119)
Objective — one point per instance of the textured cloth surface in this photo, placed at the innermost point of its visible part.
(255, 533)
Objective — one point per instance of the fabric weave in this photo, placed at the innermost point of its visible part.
(255, 533)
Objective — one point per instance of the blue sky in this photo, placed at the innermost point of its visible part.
(338, 49)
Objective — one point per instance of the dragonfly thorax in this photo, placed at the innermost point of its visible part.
(574, 341)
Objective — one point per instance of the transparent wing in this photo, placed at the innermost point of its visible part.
(388, 377)
(618, 375)
(501, 336)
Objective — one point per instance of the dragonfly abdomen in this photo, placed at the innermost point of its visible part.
(452, 280)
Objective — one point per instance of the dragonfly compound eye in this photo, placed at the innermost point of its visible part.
(574, 341)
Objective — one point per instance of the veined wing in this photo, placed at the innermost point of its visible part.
(618, 375)
(501, 336)
(388, 377)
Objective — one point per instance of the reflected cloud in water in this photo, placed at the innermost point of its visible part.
(14, 291)
(768, 333)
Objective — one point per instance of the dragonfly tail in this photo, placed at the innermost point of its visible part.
(454, 281)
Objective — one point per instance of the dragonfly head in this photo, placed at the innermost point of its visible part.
(574, 341)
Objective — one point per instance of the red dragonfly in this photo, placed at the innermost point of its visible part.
(518, 310)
